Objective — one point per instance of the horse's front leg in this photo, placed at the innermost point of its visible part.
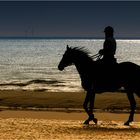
(90, 96)
(85, 106)
(91, 107)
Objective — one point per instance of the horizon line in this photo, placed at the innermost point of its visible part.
(60, 37)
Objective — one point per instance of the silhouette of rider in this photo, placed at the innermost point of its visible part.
(109, 47)
(108, 62)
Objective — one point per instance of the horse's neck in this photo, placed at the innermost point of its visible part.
(84, 67)
(80, 68)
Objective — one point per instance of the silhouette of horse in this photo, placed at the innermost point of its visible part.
(97, 78)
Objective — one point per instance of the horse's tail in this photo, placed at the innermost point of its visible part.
(131, 75)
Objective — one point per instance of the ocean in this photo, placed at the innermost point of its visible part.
(31, 64)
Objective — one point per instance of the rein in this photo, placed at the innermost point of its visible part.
(97, 56)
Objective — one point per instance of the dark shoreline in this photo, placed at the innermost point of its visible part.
(66, 110)
(63, 101)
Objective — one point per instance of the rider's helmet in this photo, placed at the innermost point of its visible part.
(108, 29)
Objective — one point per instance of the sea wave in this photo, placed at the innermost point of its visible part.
(36, 81)
(38, 85)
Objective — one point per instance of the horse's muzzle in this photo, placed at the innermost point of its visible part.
(60, 67)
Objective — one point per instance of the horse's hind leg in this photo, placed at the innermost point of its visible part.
(133, 106)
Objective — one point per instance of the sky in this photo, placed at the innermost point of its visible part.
(69, 18)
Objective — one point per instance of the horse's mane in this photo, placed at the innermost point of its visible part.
(82, 52)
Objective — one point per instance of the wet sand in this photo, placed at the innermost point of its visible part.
(67, 126)
(43, 100)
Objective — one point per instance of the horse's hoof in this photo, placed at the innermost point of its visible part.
(127, 123)
(95, 120)
(86, 122)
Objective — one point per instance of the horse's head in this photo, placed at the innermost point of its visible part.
(66, 60)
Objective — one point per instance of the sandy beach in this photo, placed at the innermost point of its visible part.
(62, 125)
(44, 115)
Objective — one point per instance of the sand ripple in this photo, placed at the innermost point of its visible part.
(18, 128)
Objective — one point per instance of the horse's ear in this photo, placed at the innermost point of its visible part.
(68, 47)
